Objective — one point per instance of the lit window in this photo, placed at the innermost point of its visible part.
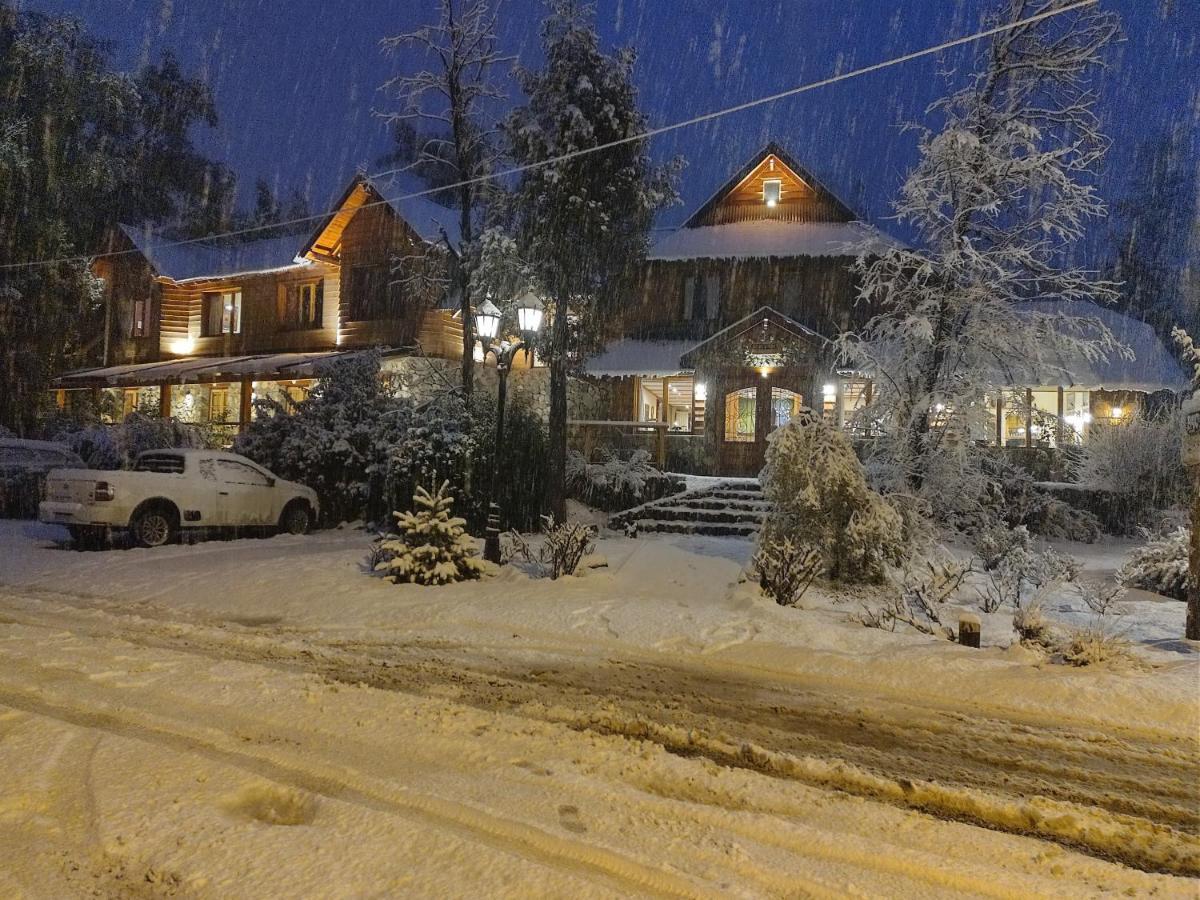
(772, 191)
(222, 313)
(741, 415)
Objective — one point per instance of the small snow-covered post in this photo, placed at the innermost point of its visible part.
(970, 630)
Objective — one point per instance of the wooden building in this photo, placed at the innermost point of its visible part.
(199, 328)
(731, 335)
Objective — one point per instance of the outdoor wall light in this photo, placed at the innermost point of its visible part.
(487, 320)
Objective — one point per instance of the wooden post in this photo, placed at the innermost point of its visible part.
(1028, 417)
(164, 401)
(1000, 418)
(1192, 628)
(589, 441)
(246, 405)
(969, 630)
(660, 446)
(1059, 433)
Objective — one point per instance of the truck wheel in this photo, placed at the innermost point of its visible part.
(296, 518)
(153, 527)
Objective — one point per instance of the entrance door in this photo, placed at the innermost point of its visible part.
(751, 414)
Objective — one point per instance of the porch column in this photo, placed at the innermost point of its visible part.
(245, 407)
(1028, 418)
(164, 400)
(1000, 418)
(1059, 431)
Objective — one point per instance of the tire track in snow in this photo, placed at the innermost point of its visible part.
(1113, 796)
(347, 786)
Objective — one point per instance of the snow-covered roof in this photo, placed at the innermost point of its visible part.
(1152, 367)
(628, 357)
(207, 368)
(213, 259)
(428, 217)
(765, 239)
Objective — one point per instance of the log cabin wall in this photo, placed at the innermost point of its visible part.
(818, 292)
(262, 330)
(798, 201)
(372, 238)
(127, 282)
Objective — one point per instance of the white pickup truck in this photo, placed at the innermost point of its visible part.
(169, 491)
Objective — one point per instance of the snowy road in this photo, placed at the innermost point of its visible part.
(660, 779)
(257, 718)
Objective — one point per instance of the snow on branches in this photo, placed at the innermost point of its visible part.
(432, 547)
(1000, 193)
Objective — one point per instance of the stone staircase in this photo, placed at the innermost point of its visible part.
(733, 507)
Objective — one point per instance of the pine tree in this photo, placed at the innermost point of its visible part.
(432, 547)
(999, 196)
(581, 224)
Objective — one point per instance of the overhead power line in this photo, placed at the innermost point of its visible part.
(586, 151)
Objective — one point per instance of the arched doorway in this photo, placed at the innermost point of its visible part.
(751, 413)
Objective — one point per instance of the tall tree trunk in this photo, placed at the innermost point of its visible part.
(556, 471)
(1192, 627)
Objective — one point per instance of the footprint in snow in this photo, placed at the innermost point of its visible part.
(568, 817)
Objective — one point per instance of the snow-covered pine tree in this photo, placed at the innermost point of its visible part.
(453, 95)
(432, 547)
(1000, 194)
(581, 223)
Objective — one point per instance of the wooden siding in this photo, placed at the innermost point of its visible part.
(128, 279)
(799, 202)
(261, 329)
(374, 237)
(818, 292)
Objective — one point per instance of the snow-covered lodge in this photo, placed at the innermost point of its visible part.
(728, 337)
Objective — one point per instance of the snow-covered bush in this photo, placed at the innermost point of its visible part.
(1013, 568)
(786, 569)
(117, 446)
(922, 593)
(521, 478)
(436, 447)
(1139, 461)
(432, 546)
(564, 545)
(1160, 565)
(1032, 627)
(616, 483)
(1091, 645)
(336, 440)
(820, 498)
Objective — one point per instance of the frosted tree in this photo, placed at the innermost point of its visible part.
(581, 223)
(1000, 193)
(433, 547)
(820, 500)
(451, 96)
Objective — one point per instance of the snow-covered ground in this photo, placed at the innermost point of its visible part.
(250, 718)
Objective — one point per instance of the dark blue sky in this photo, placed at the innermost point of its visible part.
(297, 80)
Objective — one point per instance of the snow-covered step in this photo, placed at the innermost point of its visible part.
(715, 503)
(710, 530)
(684, 514)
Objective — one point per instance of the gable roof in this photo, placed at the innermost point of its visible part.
(1152, 368)
(842, 210)
(197, 260)
(763, 317)
(430, 221)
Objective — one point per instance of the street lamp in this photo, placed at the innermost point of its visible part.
(487, 325)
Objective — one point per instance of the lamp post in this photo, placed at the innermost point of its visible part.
(487, 326)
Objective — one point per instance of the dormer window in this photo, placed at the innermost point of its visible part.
(772, 191)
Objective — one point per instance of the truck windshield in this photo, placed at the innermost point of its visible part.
(167, 463)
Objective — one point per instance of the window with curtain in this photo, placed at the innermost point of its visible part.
(301, 306)
(221, 313)
(785, 406)
(741, 415)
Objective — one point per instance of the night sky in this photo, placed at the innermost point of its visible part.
(297, 80)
